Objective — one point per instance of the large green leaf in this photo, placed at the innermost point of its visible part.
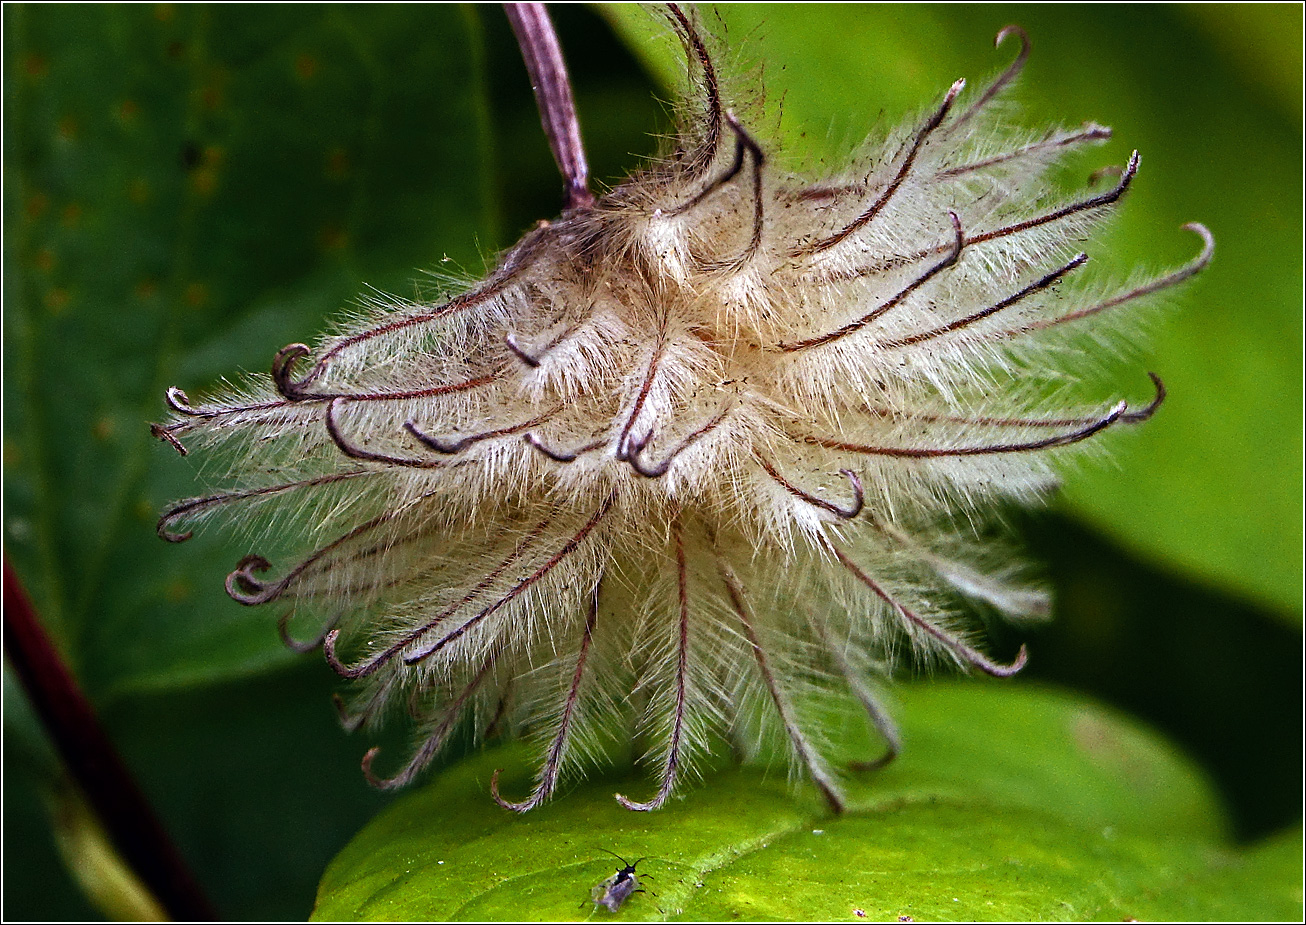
(187, 189)
(1009, 804)
(1212, 485)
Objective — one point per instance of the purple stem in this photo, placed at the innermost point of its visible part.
(93, 762)
(548, 73)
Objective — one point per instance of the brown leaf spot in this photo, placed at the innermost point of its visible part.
(333, 238)
(306, 66)
(204, 182)
(36, 205)
(204, 178)
(213, 94)
(196, 294)
(337, 164)
(178, 591)
(57, 299)
(1103, 744)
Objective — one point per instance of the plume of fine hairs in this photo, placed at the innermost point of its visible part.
(684, 463)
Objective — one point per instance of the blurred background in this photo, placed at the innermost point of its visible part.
(188, 188)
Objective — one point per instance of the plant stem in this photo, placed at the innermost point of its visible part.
(548, 73)
(93, 762)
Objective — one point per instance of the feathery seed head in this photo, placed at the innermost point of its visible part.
(685, 461)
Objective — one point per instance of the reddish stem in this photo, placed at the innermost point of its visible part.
(93, 762)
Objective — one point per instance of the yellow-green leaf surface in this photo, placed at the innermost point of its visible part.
(1212, 485)
(1009, 803)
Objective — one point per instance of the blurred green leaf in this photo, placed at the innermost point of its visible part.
(1010, 804)
(1212, 485)
(1263, 43)
(188, 188)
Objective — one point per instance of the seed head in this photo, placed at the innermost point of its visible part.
(696, 455)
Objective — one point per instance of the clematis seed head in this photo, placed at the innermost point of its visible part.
(696, 455)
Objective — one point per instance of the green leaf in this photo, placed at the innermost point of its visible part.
(1265, 50)
(187, 189)
(1009, 803)
(1212, 485)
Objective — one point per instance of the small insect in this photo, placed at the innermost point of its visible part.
(618, 888)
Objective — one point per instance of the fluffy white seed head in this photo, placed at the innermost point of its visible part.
(693, 457)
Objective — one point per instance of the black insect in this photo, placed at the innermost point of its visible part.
(618, 888)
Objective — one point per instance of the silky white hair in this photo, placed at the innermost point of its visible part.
(694, 458)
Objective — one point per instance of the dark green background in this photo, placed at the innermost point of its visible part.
(187, 189)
